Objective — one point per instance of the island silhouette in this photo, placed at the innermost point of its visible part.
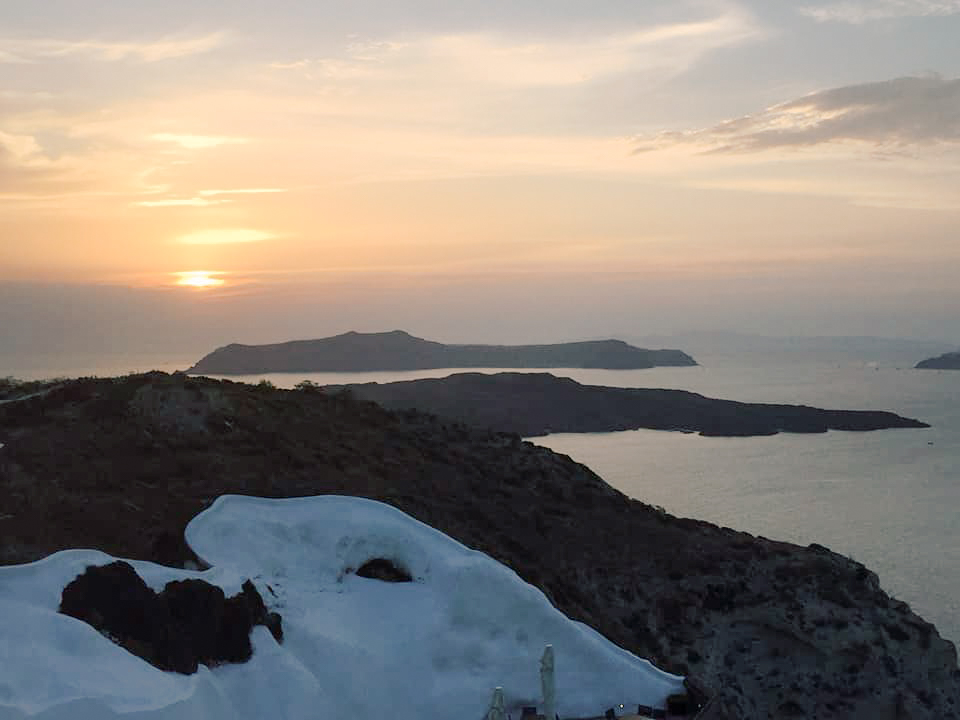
(399, 350)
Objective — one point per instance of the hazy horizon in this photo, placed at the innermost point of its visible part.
(175, 176)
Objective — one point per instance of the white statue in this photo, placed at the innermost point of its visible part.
(548, 683)
(496, 711)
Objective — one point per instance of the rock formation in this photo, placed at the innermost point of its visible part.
(190, 622)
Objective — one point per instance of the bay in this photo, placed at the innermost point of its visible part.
(888, 499)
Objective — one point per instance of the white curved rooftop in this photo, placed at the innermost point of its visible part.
(354, 647)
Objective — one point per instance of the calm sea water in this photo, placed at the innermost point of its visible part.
(890, 499)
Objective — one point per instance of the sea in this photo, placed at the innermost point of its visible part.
(888, 499)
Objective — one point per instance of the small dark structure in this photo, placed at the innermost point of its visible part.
(385, 570)
(190, 622)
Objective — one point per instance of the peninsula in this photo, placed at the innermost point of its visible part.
(398, 350)
(947, 361)
(533, 404)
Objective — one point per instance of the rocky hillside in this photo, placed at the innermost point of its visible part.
(771, 630)
(397, 350)
(534, 404)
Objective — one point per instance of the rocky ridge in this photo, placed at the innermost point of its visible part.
(768, 629)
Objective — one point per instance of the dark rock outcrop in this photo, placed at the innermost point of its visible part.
(947, 361)
(755, 624)
(539, 404)
(397, 350)
(188, 623)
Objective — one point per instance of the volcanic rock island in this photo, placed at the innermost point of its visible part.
(398, 350)
(534, 404)
(947, 361)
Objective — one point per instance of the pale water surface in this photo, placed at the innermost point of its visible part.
(888, 498)
(55, 365)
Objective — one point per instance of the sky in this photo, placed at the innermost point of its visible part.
(180, 175)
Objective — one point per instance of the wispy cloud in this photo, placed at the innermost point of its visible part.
(27, 169)
(242, 191)
(198, 142)
(531, 61)
(561, 63)
(10, 58)
(179, 202)
(291, 65)
(166, 48)
(23, 150)
(225, 236)
(207, 198)
(905, 111)
(857, 13)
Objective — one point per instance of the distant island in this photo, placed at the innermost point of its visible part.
(534, 404)
(947, 361)
(398, 350)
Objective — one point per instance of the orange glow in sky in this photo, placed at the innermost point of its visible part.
(453, 140)
(202, 279)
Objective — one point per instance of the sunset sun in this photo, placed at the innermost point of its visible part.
(201, 279)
